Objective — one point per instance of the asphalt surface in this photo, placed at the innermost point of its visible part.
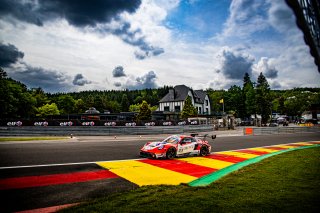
(24, 159)
(97, 148)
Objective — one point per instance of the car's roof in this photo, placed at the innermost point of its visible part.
(181, 136)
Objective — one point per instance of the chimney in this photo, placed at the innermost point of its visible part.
(171, 94)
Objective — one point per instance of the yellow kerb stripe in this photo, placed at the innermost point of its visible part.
(207, 162)
(145, 174)
(285, 147)
(238, 154)
(263, 150)
(304, 143)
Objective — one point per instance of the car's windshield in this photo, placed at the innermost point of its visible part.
(172, 139)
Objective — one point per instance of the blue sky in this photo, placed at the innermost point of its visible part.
(198, 20)
(120, 44)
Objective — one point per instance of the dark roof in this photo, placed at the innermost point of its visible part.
(201, 95)
(92, 110)
(180, 93)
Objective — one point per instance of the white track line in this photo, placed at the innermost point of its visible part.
(62, 164)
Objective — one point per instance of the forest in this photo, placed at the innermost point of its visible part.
(18, 101)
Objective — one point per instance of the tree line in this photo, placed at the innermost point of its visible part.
(257, 98)
(17, 101)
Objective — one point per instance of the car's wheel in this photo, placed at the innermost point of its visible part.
(171, 153)
(204, 151)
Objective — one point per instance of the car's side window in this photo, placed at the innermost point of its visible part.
(193, 140)
(186, 140)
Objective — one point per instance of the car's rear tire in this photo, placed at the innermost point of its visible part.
(171, 153)
(204, 151)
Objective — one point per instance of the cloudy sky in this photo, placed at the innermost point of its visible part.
(68, 45)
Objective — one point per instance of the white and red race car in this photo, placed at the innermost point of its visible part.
(177, 146)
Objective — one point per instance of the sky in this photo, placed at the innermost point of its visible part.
(77, 45)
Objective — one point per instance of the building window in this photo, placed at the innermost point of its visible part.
(166, 109)
(207, 103)
(200, 110)
(177, 108)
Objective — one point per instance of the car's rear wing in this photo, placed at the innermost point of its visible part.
(203, 136)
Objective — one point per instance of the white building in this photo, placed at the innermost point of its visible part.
(175, 99)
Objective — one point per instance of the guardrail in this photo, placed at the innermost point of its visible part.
(139, 130)
(279, 130)
(100, 130)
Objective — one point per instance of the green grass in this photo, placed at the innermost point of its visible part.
(289, 182)
(30, 138)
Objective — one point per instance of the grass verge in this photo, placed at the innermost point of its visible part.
(30, 138)
(289, 182)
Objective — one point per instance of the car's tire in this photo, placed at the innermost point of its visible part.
(204, 151)
(171, 153)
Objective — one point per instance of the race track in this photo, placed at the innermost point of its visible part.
(30, 183)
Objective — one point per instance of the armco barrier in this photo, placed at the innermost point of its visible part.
(279, 130)
(100, 130)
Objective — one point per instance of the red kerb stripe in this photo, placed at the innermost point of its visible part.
(181, 167)
(227, 158)
(274, 148)
(45, 180)
(252, 152)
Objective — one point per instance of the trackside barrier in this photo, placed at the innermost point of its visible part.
(101, 130)
(248, 131)
(279, 130)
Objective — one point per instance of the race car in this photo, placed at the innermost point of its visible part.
(177, 146)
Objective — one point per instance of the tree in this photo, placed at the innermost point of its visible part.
(138, 99)
(40, 96)
(4, 98)
(124, 103)
(247, 81)
(248, 94)
(114, 106)
(3, 74)
(188, 109)
(215, 96)
(79, 106)
(15, 99)
(234, 101)
(66, 104)
(250, 101)
(263, 100)
(144, 112)
(134, 108)
(48, 109)
(153, 108)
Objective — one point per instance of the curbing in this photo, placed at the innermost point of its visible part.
(208, 179)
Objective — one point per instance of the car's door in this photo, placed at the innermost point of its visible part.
(185, 146)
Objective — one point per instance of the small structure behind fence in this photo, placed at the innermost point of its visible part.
(279, 130)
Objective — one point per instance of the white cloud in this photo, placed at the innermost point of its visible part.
(70, 50)
(265, 65)
(244, 19)
(281, 17)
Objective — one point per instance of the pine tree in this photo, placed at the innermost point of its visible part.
(144, 112)
(246, 80)
(248, 92)
(263, 98)
(188, 109)
(125, 103)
